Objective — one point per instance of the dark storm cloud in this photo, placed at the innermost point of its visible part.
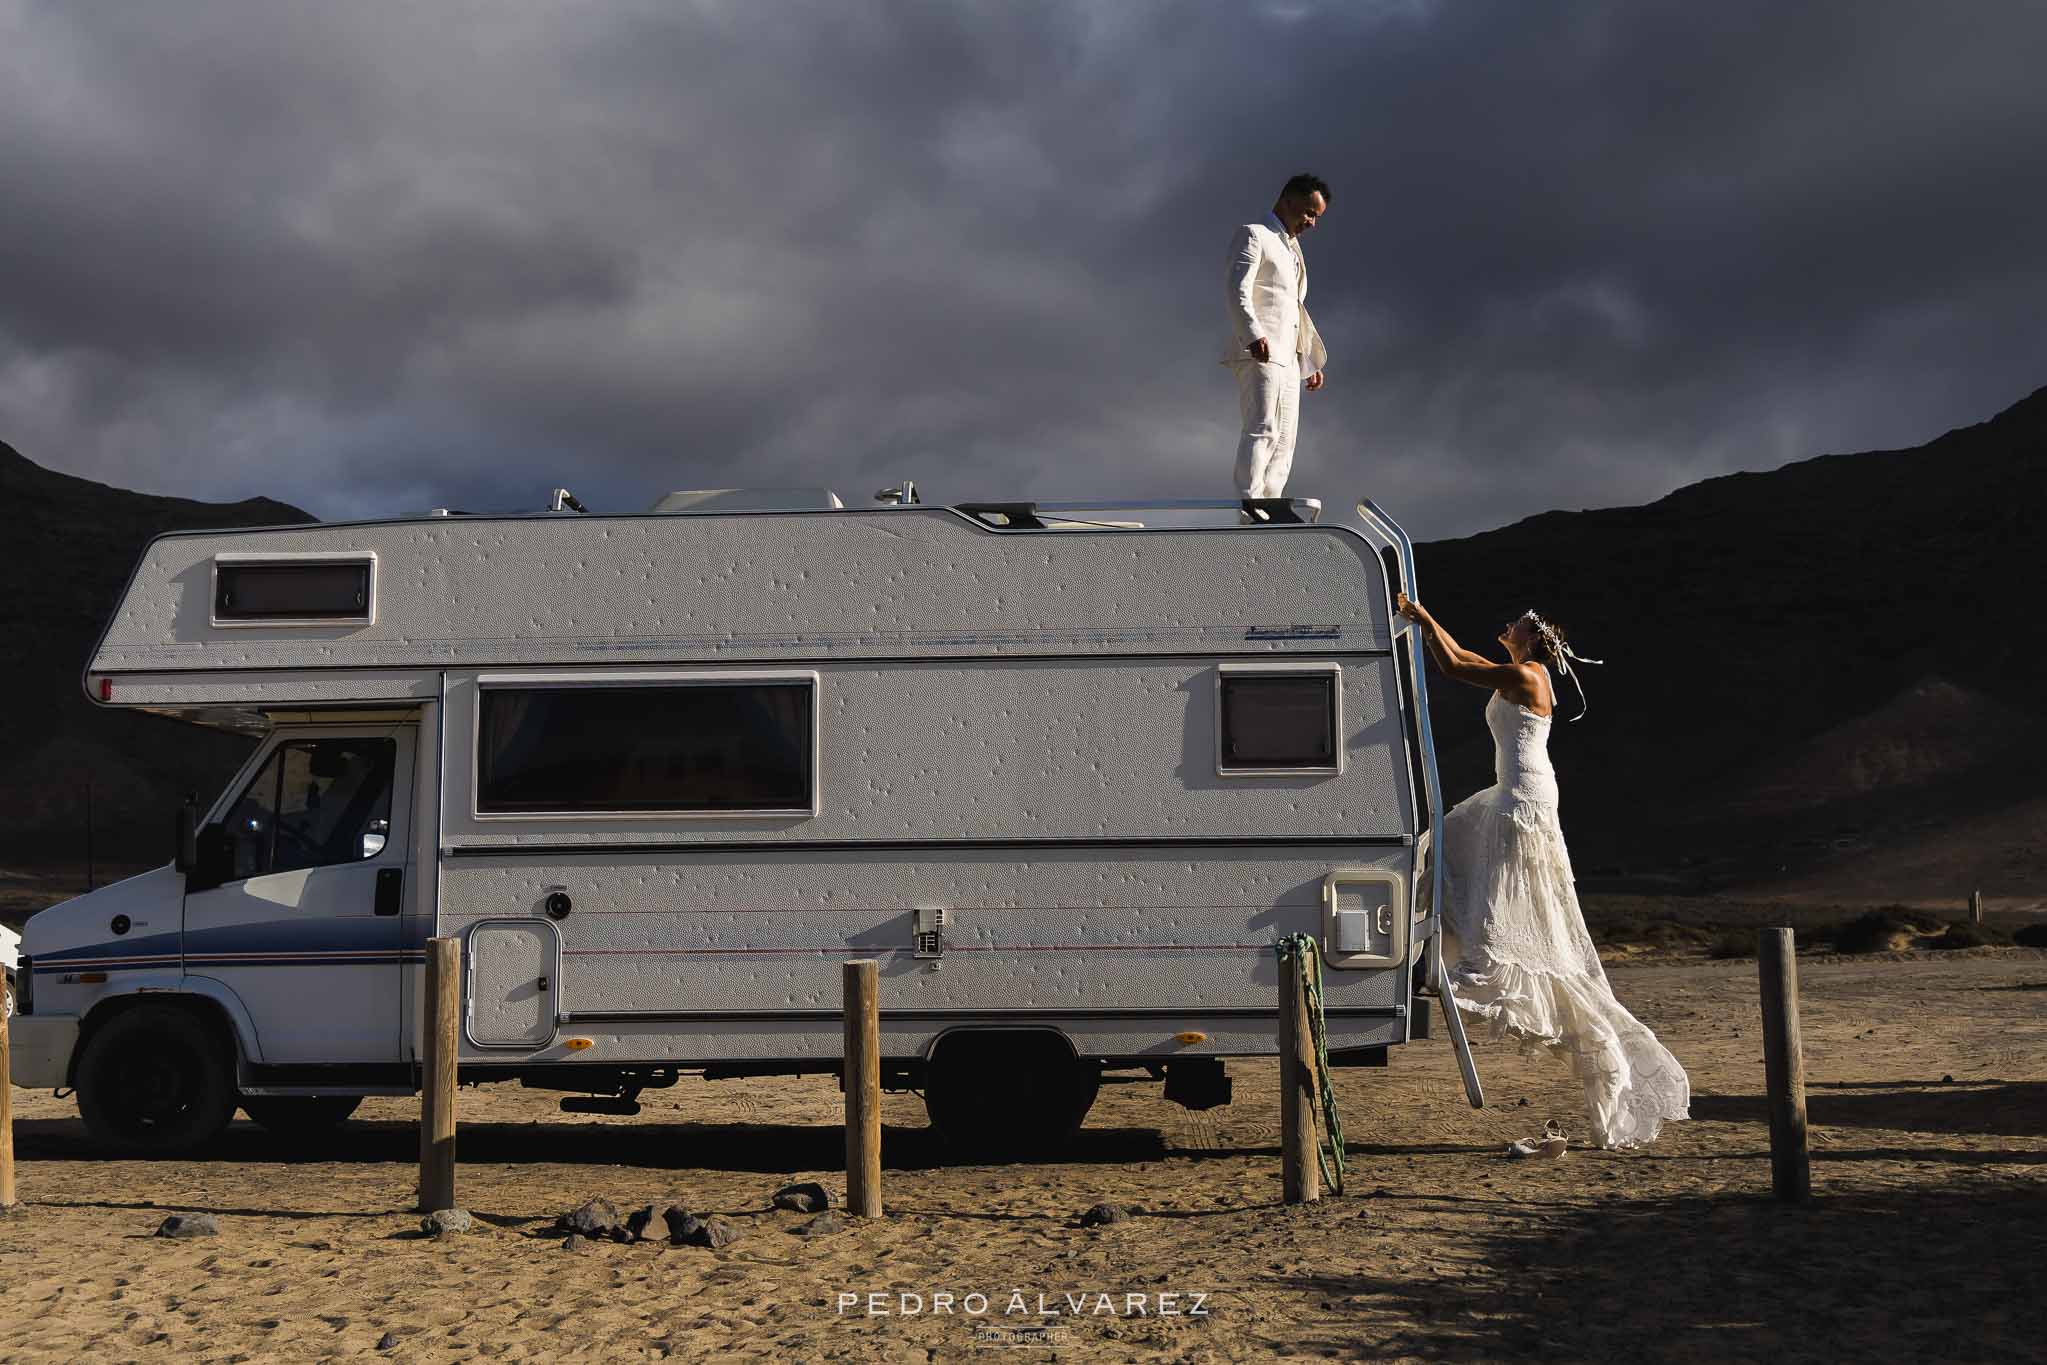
(371, 257)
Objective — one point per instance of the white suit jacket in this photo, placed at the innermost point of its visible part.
(1268, 297)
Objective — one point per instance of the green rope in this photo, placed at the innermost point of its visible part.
(1305, 955)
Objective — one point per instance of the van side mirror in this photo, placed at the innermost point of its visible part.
(187, 857)
(213, 860)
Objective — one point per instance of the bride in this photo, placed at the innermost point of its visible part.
(1524, 963)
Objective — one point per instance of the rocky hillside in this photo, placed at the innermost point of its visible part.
(1822, 676)
(68, 558)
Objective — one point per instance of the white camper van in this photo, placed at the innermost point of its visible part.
(1068, 772)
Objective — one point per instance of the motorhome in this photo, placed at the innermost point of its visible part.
(1067, 772)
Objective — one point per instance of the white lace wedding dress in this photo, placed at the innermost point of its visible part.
(1525, 966)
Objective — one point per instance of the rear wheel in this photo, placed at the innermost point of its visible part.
(156, 1079)
(300, 1116)
(1008, 1094)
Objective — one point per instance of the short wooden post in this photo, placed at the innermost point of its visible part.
(862, 1078)
(1975, 907)
(6, 1119)
(1784, 1065)
(440, 1023)
(1300, 1172)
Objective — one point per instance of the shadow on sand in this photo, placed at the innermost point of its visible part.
(1917, 1273)
(765, 1148)
(1993, 1109)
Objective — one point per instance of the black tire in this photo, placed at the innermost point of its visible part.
(300, 1116)
(155, 1080)
(1008, 1095)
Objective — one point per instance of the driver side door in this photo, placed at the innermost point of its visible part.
(302, 919)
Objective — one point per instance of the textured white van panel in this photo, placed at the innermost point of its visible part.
(1017, 749)
(1081, 930)
(916, 582)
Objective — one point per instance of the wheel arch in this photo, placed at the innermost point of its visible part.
(995, 1034)
(206, 1000)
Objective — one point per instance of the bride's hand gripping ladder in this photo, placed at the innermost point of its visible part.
(1430, 844)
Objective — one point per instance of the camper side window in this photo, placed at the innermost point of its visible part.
(712, 748)
(1278, 722)
(314, 803)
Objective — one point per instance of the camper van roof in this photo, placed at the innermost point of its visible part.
(749, 500)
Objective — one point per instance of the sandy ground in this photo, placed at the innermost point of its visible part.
(1926, 1238)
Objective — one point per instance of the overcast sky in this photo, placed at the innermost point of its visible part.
(370, 258)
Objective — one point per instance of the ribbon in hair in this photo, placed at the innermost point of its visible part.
(1564, 655)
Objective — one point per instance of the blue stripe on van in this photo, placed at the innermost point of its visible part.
(154, 947)
(351, 941)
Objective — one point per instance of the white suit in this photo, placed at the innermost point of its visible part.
(1267, 297)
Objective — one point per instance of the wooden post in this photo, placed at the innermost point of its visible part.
(439, 1024)
(862, 1078)
(6, 1119)
(1300, 1171)
(1784, 1065)
(1975, 907)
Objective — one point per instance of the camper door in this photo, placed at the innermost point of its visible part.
(297, 903)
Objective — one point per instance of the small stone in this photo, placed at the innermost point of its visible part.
(636, 1223)
(1101, 1214)
(189, 1225)
(388, 1342)
(575, 1241)
(807, 1197)
(1947, 1080)
(1521, 1103)
(824, 1225)
(594, 1219)
(713, 1232)
(679, 1220)
(446, 1223)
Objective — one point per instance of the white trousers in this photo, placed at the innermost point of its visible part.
(1269, 396)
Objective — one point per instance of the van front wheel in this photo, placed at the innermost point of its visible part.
(155, 1080)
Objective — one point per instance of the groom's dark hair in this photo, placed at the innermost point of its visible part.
(1305, 184)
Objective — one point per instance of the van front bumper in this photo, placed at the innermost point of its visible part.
(39, 1047)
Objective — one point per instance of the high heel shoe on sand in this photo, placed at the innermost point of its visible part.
(1549, 1146)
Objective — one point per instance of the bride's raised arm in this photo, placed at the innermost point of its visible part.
(1460, 663)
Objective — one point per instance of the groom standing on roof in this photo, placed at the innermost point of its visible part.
(1274, 349)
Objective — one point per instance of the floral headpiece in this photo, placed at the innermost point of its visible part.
(1563, 654)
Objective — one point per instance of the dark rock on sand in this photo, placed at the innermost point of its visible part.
(807, 1197)
(712, 1232)
(388, 1342)
(189, 1225)
(446, 1223)
(636, 1223)
(678, 1219)
(594, 1219)
(824, 1225)
(1104, 1213)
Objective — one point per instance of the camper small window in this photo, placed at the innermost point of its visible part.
(706, 748)
(1278, 722)
(308, 591)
